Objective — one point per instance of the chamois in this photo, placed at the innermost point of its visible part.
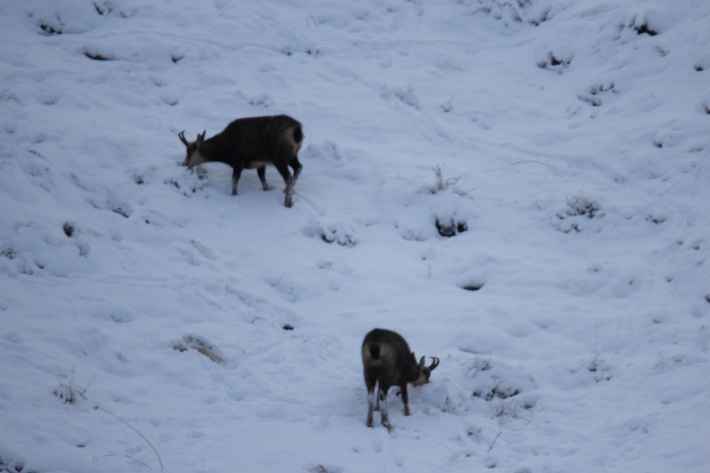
(252, 143)
(387, 362)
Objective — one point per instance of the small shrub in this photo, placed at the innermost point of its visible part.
(496, 392)
(68, 393)
(572, 216)
(643, 28)
(50, 30)
(68, 229)
(450, 228)
(104, 9)
(332, 236)
(442, 184)
(9, 253)
(511, 12)
(578, 214)
(580, 205)
(600, 369)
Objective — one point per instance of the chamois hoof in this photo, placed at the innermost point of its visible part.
(288, 203)
(388, 426)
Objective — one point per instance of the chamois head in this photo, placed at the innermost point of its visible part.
(420, 372)
(193, 157)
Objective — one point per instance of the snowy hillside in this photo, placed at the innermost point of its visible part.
(518, 187)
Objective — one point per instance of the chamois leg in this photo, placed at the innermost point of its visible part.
(383, 407)
(297, 167)
(370, 381)
(288, 179)
(405, 398)
(235, 179)
(261, 171)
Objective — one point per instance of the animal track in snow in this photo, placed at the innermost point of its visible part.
(204, 251)
(557, 61)
(597, 93)
(201, 345)
(335, 232)
(108, 7)
(644, 23)
(703, 63)
(96, 56)
(11, 463)
(405, 95)
(324, 469)
(473, 286)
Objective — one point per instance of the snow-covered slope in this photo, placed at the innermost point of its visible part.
(148, 317)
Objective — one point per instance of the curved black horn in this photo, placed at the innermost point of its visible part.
(181, 135)
(434, 363)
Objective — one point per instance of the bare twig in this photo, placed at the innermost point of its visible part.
(127, 456)
(308, 21)
(529, 161)
(97, 407)
(439, 179)
(88, 383)
(494, 441)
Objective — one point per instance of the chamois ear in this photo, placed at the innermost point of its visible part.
(421, 363)
(201, 138)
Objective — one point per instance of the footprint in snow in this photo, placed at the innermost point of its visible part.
(202, 346)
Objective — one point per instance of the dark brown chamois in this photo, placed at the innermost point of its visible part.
(387, 362)
(252, 143)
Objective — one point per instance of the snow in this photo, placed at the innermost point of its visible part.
(150, 317)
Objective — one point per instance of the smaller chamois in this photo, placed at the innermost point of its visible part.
(252, 143)
(387, 362)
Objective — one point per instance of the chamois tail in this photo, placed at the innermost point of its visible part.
(375, 351)
(298, 134)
